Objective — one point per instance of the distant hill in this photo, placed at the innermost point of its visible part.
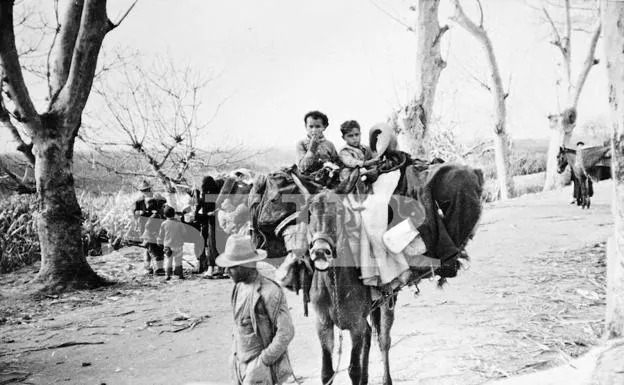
(527, 144)
(529, 156)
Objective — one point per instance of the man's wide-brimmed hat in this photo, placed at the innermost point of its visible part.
(238, 251)
(145, 186)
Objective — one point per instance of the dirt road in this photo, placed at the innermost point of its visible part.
(532, 298)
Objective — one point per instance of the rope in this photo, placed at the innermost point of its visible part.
(388, 297)
(334, 294)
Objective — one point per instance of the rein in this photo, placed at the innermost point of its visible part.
(334, 293)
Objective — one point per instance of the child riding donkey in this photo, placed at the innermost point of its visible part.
(380, 268)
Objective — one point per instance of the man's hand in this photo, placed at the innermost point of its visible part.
(257, 373)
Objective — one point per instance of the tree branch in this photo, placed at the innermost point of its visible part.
(57, 30)
(112, 25)
(67, 34)
(9, 61)
(441, 32)
(589, 62)
(568, 26)
(393, 17)
(557, 41)
(72, 98)
(460, 18)
(480, 14)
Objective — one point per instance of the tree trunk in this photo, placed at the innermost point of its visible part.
(501, 156)
(610, 367)
(561, 127)
(613, 16)
(63, 264)
(501, 138)
(414, 132)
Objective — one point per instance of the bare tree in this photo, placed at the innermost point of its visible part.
(155, 118)
(73, 61)
(562, 123)
(413, 121)
(501, 138)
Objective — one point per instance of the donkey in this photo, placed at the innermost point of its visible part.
(337, 293)
(582, 174)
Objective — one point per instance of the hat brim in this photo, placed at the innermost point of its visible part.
(224, 260)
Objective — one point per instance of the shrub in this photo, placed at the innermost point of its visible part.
(19, 244)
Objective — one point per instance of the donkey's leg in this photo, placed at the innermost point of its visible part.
(325, 331)
(585, 192)
(383, 336)
(365, 353)
(360, 343)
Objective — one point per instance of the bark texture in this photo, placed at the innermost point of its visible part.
(610, 366)
(414, 130)
(501, 138)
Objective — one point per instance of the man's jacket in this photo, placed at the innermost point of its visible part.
(272, 323)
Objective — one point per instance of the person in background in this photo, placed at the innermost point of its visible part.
(154, 252)
(171, 236)
(142, 210)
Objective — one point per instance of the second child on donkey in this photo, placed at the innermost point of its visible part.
(356, 157)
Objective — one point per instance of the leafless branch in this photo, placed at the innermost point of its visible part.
(113, 25)
(57, 30)
(63, 51)
(557, 37)
(568, 26)
(13, 77)
(391, 16)
(480, 13)
(589, 62)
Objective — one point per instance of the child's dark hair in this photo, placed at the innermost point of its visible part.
(348, 126)
(316, 115)
(169, 212)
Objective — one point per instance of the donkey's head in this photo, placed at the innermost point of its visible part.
(562, 160)
(326, 213)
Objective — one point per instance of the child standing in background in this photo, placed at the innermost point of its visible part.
(171, 236)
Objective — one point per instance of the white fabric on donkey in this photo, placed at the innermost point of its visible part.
(380, 266)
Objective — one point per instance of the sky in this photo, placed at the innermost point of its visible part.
(275, 60)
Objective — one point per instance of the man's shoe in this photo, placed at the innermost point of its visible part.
(160, 272)
(149, 271)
